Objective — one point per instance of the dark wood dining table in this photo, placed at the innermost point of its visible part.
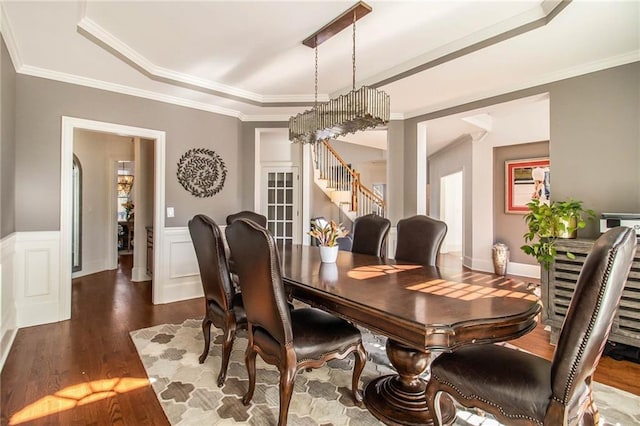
(419, 309)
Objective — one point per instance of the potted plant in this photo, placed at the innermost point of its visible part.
(548, 222)
(327, 234)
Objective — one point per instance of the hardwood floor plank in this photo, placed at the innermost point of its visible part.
(53, 359)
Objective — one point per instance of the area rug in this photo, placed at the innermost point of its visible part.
(189, 395)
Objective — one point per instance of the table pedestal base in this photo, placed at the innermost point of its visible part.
(400, 399)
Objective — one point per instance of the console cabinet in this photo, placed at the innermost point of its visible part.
(559, 282)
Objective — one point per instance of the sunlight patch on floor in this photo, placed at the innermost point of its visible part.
(76, 395)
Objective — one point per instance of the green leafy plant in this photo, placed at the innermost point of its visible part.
(547, 223)
(327, 233)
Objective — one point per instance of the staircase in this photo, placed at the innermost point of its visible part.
(342, 184)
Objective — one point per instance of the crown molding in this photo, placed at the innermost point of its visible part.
(125, 90)
(9, 39)
(615, 61)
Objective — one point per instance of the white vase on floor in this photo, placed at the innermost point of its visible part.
(328, 254)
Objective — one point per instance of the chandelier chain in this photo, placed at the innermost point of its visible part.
(353, 55)
(315, 100)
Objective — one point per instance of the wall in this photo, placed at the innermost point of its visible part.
(41, 104)
(8, 148)
(593, 122)
(509, 228)
(98, 154)
(454, 158)
(8, 320)
(143, 196)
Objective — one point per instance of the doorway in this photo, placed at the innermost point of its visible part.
(69, 126)
(451, 212)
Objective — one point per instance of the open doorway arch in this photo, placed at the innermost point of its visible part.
(69, 124)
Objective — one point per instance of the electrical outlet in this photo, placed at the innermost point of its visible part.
(170, 212)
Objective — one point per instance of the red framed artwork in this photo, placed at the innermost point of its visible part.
(526, 180)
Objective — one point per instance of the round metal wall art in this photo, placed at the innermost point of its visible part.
(202, 172)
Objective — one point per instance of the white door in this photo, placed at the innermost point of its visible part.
(451, 204)
(280, 203)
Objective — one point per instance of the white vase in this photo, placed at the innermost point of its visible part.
(328, 254)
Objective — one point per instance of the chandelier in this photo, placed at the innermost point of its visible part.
(360, 109)
(125, 182)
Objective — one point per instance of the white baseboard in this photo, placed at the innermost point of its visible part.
(139, 274)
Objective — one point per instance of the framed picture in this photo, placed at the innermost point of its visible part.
(526, 180)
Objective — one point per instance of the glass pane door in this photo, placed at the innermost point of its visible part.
(281, 203)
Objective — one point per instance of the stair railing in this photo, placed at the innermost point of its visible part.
(341, 177)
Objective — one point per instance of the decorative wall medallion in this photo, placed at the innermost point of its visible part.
(202, 172)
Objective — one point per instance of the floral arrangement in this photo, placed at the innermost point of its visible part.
(128, 207)
(327, 233)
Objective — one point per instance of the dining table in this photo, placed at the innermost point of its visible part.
(421, 310)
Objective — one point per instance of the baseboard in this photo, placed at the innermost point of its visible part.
(8, 337)
(524, 270)
(92, 267)
(139, 274)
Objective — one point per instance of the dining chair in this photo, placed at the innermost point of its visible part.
(370, 234)
(419, 239)
(519, 388)
(248, 214)
(223, 305)
(291, 340)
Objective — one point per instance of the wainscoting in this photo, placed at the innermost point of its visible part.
(8, 320)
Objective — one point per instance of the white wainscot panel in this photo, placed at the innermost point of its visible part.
(37, 277)
(8, 321)
(180, 272)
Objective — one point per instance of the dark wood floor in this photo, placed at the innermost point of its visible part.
(87, 371)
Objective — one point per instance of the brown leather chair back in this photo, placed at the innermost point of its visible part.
(590, 314)
(369, 234)
(419, 239)
(258, 267)
(212, 261)
(247, 214)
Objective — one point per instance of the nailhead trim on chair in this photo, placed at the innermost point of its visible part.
(469, 397)
(574, 366)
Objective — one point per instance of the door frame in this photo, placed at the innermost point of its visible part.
(69, 124)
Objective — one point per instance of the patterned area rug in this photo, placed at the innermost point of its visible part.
(189, 395)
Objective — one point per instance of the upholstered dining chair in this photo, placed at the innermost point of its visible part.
(519, 388)
(289, 339)
(248, 214)
(419, 239)
(370, 234)
(223, 305)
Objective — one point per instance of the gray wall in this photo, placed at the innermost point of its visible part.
(8, 142)
(39, 107)
(396, 173)
(594, 140)
(454, 158)
(509, 228)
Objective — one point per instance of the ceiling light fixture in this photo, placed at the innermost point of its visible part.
(125, 182)
(360, 109)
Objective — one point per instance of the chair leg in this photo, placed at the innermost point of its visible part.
(227, 345)
(433, 404)
(361, 359)
(206, 332)
(287, 377)
(250, 361)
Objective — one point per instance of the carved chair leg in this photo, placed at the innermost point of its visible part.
(361, 359)
(250, 361)
(227, 345)
(287, 377)
(433, 404)
(206, 332)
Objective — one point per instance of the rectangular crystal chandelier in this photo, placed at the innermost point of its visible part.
(359, 109)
